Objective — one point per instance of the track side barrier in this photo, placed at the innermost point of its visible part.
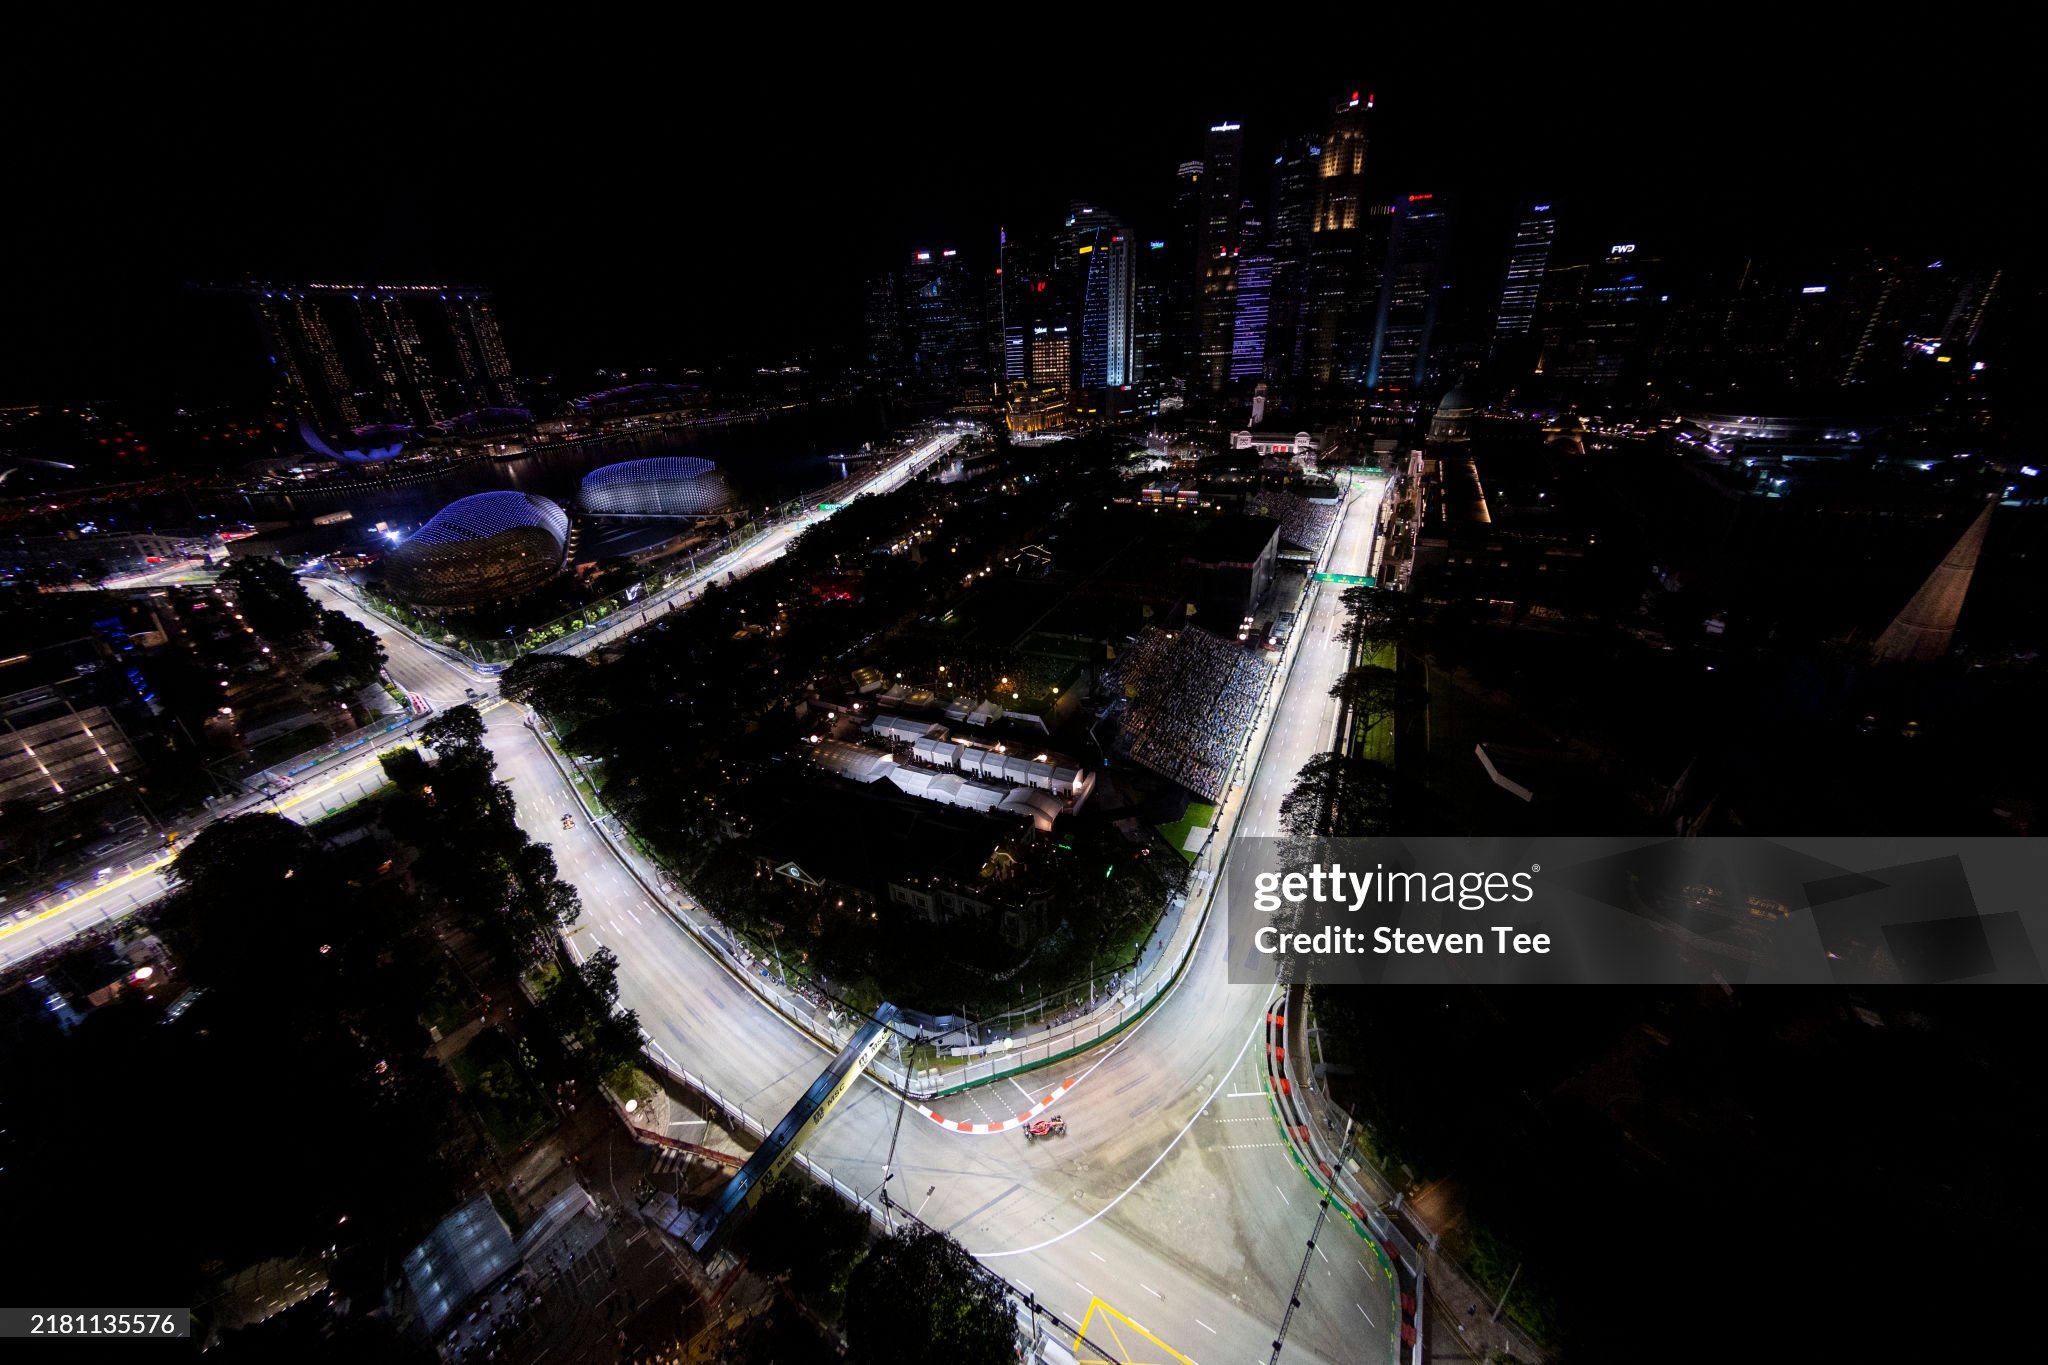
(1395, 1256)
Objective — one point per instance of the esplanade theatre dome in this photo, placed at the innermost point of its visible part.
(666, 486)
(479, 549)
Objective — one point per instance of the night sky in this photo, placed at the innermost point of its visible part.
(694, 201)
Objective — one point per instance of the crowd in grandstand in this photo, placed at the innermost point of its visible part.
(1190, 702)
(1303, 523)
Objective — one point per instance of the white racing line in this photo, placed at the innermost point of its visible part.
(1200, 1109)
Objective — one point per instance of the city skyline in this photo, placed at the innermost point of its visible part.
(1212, 686)
(1788, 169)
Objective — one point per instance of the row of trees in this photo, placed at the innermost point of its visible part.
(1342, 794)
(273, 600)
(917, 1297)
(505, 887)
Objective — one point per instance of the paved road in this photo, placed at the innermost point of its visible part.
(98, 903)
(1174, 1200)
(442, 677)
(763, 549)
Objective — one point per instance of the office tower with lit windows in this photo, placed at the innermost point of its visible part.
(1216, 250)
(1150, 308)
(1249, 331)
(1514, 317)
(1178, 262)
(1287, 244)
(881, 327)
(1409, 291)
(1346, 248)
(1617, 319)
(352, 356)
(942, 318)
(1052, 356)
(1102, 249)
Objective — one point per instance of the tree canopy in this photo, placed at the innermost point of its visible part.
(458, 729)
(1338, 795)
(1377, 616)
(1375, 692)
(555, 685)
(922, 1300)
(271, 598)
(357, 654)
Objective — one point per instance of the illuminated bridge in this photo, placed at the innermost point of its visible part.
(743, 1191)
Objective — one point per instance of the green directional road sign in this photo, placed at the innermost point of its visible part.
(1349, 579)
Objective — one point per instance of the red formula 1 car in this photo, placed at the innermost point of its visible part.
(1046, 1128)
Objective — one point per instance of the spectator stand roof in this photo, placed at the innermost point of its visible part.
(465, 1254)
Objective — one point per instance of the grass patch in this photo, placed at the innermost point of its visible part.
(505, 1097)
(1200, 815)
(629, 1082)
(449, 1003)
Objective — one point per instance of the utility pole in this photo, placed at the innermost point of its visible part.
(909, 1060)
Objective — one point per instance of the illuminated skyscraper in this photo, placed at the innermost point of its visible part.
(1287, 243)
(1253, 308)
(1408, 293)
(347, 356)
(1151, 301)
(1016, 354)
(1346, 247)
(942, 318)
(1052, 356)
(1103, 250)
(1180, 272)
(1615, 321)
(1216, 250)
(1522, 283)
